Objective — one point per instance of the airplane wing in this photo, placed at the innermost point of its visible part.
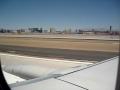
(98, 76)
(12, 78)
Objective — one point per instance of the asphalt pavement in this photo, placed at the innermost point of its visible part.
(58, 53)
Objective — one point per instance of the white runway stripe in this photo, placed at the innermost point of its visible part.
(55, 59)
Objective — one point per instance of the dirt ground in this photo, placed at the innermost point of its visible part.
(92, 45)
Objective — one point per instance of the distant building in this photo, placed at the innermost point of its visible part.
(27, 31)
(22, 30)
(67, 31)
(33, 30)
(41, 30)
(89, 32)
(46, 31)
(110, 28)
(75, 31)
(52, 30)
(59, 32)
(14, 31)
(79, 31)
(2, 30)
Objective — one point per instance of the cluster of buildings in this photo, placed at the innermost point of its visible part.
(66, 31)
(36, 30)
(21, 31)
(28, 31)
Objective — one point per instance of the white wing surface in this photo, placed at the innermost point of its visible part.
(99, 76)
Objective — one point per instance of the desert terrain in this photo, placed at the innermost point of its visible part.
(90, 45)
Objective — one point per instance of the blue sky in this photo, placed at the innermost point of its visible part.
(60, 14)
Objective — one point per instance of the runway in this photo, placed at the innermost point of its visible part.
(58, 53)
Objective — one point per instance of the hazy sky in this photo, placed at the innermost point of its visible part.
(60, 14)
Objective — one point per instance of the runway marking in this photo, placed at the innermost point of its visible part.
(55, 59)
(11, 51)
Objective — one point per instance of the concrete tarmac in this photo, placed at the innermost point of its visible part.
(58, 53)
